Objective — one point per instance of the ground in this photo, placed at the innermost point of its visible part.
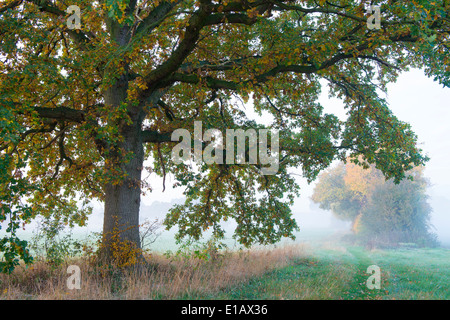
(340, 272)
(326, 270)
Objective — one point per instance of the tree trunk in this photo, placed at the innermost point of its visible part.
(121, 241)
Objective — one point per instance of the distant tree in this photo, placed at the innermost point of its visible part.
(331, 193)
(381, 212)
(398, 213)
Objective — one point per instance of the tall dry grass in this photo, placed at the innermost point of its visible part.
(169, 278)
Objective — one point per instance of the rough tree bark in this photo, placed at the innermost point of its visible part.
(122, 200)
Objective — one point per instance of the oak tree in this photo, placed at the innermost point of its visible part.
(82, 108)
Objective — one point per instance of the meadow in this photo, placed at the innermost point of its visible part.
(316, 268)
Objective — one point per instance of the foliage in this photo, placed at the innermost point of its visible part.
(13, 210)
(331, 193)
(124, 253)
(398, 214)
(382, 212)
(202, 250)
(54, 243)
(87, 106)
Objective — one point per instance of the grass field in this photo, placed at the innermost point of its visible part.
(340, 273)
(326, 270)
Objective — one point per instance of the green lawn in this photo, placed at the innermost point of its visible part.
(340, 273)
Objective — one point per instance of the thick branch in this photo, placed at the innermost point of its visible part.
(72, 115)
(219, 18)
(214, 83)
(152, 136)
(192, 33)
(11, 5)
(78, 36)
(242, 6)
(61, 113)
(224, 65)
(155, 17)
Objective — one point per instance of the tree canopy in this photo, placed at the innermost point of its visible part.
(82, 108)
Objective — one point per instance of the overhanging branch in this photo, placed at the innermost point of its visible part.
(153, 136)
(61, 113)
(13, 4)
(81, 38)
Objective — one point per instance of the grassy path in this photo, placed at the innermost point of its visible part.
(358, 289)
(415, 274)
(305, 278)
(331, 274)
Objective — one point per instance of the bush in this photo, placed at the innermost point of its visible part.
(53, 243)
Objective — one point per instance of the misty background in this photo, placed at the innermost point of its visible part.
(414, 99)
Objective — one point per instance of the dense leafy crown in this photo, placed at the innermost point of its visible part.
(185, 60)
